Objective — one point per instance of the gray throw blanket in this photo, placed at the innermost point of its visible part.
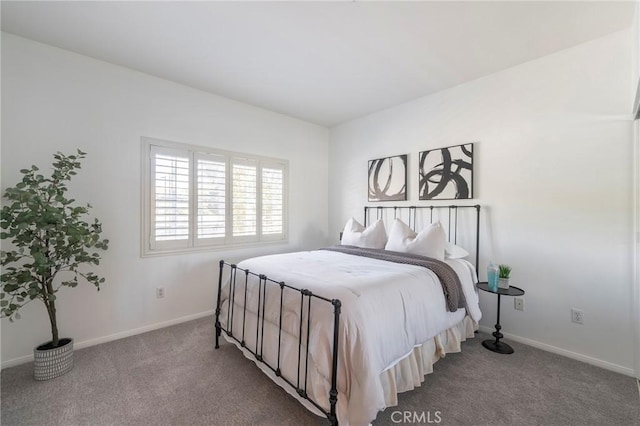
(450, 281)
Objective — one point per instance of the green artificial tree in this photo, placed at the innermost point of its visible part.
(53, 244)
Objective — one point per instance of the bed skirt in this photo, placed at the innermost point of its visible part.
(404, 375)
(409, 373)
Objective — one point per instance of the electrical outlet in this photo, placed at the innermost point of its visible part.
(577, 316)
(518, 304)
(159, 292)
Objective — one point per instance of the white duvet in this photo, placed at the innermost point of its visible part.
(387, 310)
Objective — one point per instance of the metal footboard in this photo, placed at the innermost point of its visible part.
(305, 296)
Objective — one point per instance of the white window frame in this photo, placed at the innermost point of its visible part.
(151, 247)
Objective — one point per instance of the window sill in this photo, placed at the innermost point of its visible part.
(212, 248)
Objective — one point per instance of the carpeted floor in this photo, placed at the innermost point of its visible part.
(174, 376)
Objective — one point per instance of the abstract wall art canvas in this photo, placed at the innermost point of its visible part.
(446, 173)
(388, 179)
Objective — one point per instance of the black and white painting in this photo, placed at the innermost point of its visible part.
(388, 179)
(446, 173)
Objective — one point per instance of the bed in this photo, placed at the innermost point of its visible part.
(345, 329)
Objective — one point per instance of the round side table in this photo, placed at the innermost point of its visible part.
(497, 345)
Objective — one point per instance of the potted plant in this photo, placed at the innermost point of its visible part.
(504, 271)
(52, 248)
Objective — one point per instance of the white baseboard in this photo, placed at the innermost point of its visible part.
(116, 336)
(545, 347)
(569, 354)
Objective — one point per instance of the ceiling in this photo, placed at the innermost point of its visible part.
(323, 62)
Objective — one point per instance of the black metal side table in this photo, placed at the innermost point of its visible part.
(497, 345)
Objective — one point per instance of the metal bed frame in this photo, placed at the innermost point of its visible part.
(258, 354)
(452, 219)
(301, 384)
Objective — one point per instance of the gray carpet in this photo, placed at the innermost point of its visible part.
(174, 376)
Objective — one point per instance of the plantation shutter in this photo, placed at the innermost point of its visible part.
(273, 191)
(170, 191)
(198, 197)
(244, 208)
(211, 197)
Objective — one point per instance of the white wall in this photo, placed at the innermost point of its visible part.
(635, 35)
(553, 170)
(55, 100)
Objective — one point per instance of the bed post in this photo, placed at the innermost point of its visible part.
(218, 326)
(333, 394)
(478, 241)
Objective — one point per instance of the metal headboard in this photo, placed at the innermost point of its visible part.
(452, 219)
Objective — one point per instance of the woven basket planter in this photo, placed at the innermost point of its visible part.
(51, 363)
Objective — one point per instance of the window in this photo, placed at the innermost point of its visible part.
(198, 198)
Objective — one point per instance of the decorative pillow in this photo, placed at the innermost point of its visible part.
(430, 242)
(452, 251)
(355, 234)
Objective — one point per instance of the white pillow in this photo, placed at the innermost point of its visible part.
(452, 251)
(429, 242)
(354, 234)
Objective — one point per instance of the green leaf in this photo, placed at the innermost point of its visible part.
(10, 288)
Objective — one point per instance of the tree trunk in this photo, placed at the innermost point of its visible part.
(51, 310)
(54, 325)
